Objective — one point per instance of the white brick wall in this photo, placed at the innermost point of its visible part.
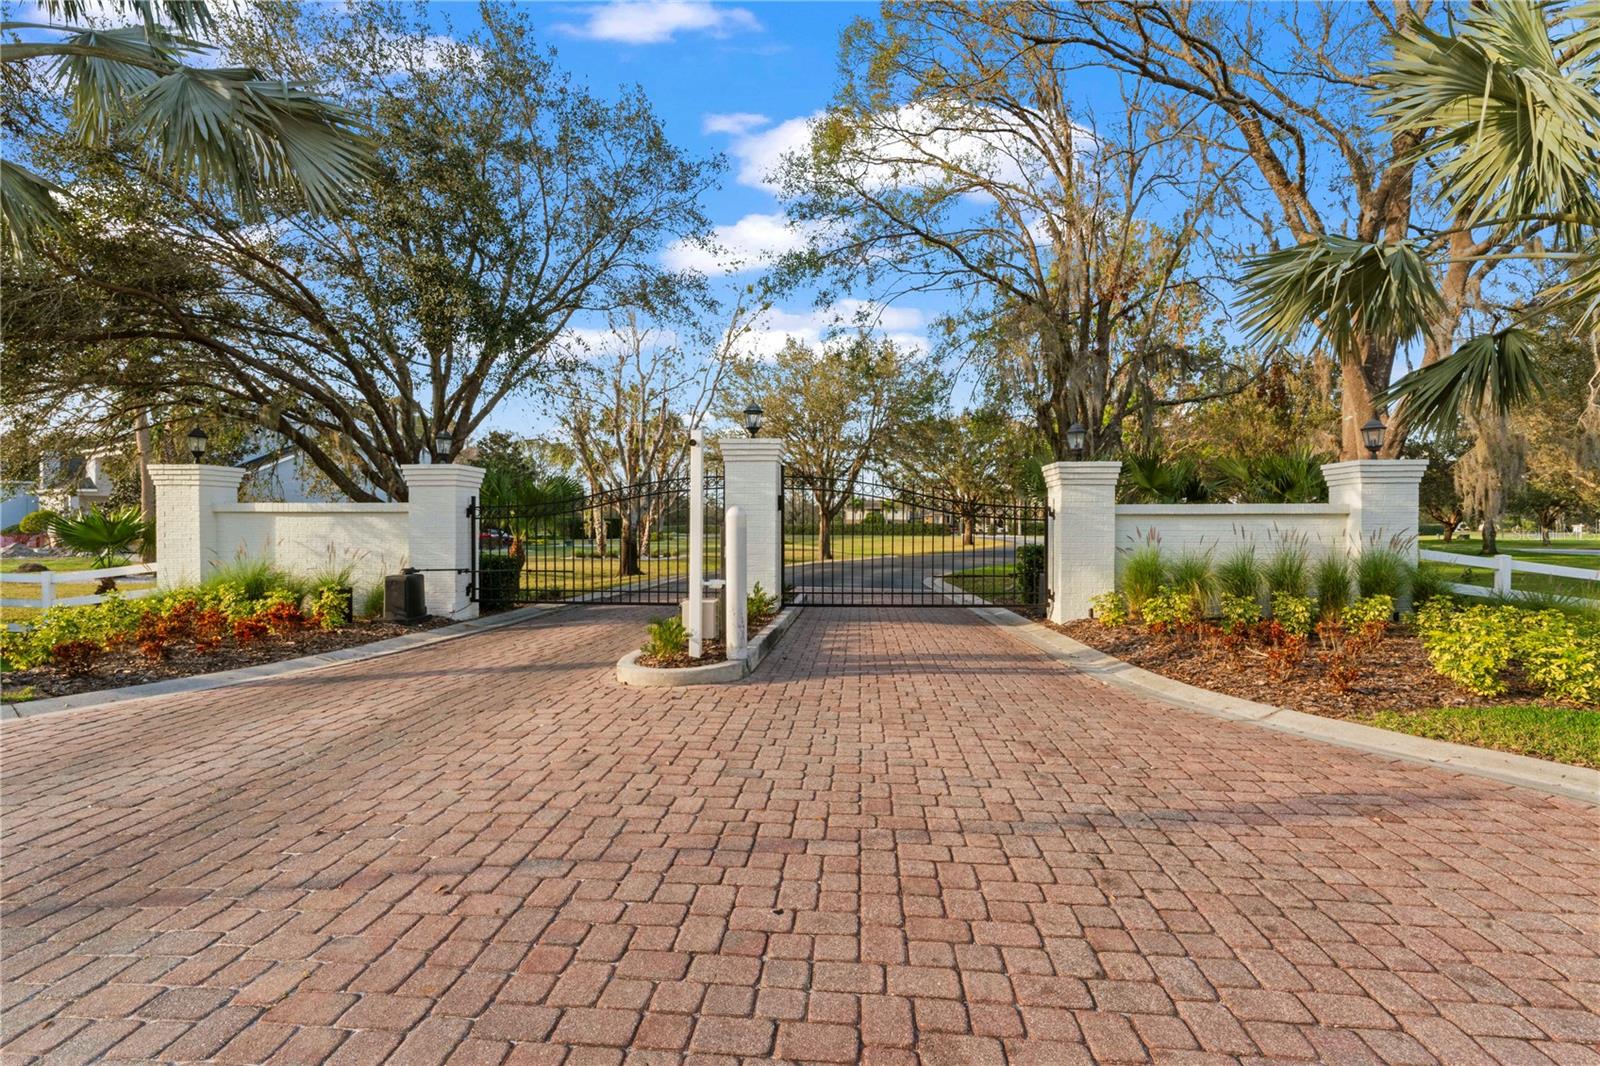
(1220, 528)
(1381, 496)
(305, 538)
(752, 479)
(186, 528)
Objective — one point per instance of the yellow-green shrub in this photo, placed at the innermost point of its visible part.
(1293, 613)
(1238, 612)
(1476, 646)
(1110, 608)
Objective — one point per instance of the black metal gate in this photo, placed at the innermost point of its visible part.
(857, 544)
(622, 546)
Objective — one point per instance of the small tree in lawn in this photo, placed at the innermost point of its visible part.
(837, 408)
(970, 459)
(107, 535)
(1550, 501)
(1438, 496)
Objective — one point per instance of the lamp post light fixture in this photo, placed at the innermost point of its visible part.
(197, 443)
(441, 445)
(1372, 435)
(753, 416)
(1075, 438)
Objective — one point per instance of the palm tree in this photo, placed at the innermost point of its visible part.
(1512, 123)
(230, 129)
(109, 535)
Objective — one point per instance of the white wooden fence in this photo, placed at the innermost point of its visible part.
(47, 580)
(1504, 566)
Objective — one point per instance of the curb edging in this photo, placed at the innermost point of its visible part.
(377, 649)
(629, 672)
(1570, 782)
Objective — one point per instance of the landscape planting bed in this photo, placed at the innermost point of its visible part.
(119, 667)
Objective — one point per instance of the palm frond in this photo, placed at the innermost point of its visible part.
(1342, 289)
(1515, 115)
(1493, 371)
(27, 205)
(186, 16)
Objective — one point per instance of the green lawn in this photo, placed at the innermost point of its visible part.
(1508, 545)
(1561, 734)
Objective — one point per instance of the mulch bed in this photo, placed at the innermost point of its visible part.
(1394, 675)
(122, 667)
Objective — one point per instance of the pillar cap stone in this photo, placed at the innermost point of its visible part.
(195, 474)
(1371, 471)
(751, 449)
(442, 475)
(1083, 472)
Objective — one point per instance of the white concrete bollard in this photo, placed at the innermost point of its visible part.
(697, 539)
(736, 627)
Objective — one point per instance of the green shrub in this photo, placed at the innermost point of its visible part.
(1143, 575)
(760, 603)
(254, 578)
(1109, 609)
(1426, 583)
(1293, 613)
(330, 605)
(1476, 646)
(1030, 572)
(498, 581)
(108, 534)
(1240, 574)
(35, 522)
(1382, 572)
(1286, 571)
(1369, 610)
(1191, 574)
(1238, 613)
(372, 601)
(1167, 609)
(668, 638)
(1332, 578)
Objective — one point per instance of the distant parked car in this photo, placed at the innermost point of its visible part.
(493, 538)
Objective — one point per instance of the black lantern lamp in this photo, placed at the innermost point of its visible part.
(752, 419)
(441, 445)
(1372, 435)
(1075, 438)
(197, 443)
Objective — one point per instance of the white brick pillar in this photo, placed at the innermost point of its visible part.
(186, 525)
(1381, 495)
(440, 532)
(752, 471)
(1083, 534)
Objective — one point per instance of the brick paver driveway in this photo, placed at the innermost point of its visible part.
(912, 836)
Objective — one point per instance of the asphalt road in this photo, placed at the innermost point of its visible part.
(889, 579)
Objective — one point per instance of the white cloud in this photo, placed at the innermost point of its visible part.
(633, 22)
(747, 244)
(760, 153)
(835, 325)
(736, 123)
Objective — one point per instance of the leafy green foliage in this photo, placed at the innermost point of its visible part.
(1030, 569)
(107, 535)
(1238, 613)
(1109, 608)
(1282, 477)
(1294, 613)
(35, 522)
(498, 576)
(1168, 609)
(1475, 647)
(1150, 478)
(253, 579)
(668, 638)
(372, 602)
(1374, 609)
(759, 606)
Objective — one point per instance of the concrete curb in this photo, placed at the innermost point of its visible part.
(629, 672)
(1571, 782)
(246, 674)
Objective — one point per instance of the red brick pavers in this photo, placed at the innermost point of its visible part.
(910, 839)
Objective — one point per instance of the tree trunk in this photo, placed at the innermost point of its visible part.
(824, 534)
(147, 487)
(628, 549)
(969, 525)
(1491, 539)
(1449, 531)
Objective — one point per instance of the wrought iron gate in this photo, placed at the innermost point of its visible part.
(870, 544)
(622, 546)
